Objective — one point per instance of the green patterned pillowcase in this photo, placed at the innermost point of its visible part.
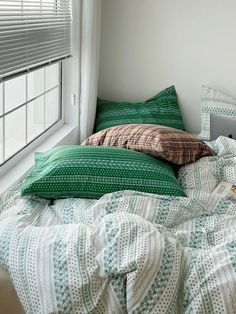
(214, 102)
(92, 171)
(161, 109)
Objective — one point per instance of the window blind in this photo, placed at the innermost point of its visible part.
(33, 33)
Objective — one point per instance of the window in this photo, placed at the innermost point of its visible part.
(35, 37)
(30, 104)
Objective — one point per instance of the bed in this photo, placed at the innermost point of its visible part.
(163, 245)
(129, 251)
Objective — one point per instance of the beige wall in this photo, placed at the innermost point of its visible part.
(9, 302)
(147, 45)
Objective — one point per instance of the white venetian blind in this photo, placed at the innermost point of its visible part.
(33, 33)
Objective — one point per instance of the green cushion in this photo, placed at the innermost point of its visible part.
(92, 171)
(161, 109)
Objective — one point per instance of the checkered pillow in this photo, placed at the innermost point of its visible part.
(214, 102)
(170, 144)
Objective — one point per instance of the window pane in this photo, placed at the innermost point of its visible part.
(35, 83)
(1, 143)
(14, 131)
(1, 104)
(35, 115)
(15, 92)
(52, 107)
(52, 76)
(40, 93)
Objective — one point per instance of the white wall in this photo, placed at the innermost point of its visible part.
(149, 45)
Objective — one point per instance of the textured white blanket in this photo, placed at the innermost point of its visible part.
(128, 252)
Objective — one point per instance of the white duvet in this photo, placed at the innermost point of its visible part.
(128, 252)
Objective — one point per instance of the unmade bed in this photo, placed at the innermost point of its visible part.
(129, 251)
(130, 221)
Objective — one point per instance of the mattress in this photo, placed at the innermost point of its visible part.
(9, 301)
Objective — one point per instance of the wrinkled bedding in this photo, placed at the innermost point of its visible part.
(128, 252)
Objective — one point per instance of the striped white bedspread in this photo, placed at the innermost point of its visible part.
(128, 252)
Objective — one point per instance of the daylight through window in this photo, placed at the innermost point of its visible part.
(29, 105)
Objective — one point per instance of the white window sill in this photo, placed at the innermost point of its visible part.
(64, 136)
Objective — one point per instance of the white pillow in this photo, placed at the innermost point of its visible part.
(214, 102)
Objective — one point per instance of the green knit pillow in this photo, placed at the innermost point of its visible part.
(161, 109)
(92, 171)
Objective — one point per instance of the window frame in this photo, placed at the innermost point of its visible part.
(25, 105)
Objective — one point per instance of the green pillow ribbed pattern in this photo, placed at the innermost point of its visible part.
(161, 109)
(92, 171)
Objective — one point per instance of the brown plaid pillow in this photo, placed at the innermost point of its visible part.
(168, 143)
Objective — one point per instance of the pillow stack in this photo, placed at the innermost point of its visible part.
(132, 150)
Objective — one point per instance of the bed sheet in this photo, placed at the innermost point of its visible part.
(128, 252)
